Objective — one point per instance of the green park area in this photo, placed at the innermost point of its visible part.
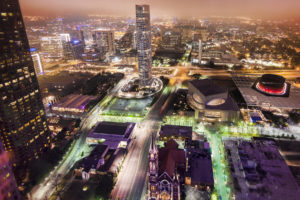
(137, 108)
(179, 120)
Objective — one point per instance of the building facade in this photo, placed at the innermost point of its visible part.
(105, 41)
(143, 37)
(153, 171)
(211, 102)
(165, 171)
(52, 47)
(73, 50)
(23, 127)
(37, 63)
(172, 167)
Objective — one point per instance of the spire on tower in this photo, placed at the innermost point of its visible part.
(153, 148)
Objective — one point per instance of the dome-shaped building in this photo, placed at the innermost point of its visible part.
(271, 84)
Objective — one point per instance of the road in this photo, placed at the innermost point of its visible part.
(182, 72)
(131, 181)
(135, 164)
(46, 188)
(220, 171)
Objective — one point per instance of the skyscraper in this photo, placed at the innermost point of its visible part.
(52, 47)
(200, 52)
(143, 31)
(38, 67)
(105, 41)
(23, 127)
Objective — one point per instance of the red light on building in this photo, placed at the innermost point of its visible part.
(269, 90)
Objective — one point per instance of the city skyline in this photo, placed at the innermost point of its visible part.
(94, 106)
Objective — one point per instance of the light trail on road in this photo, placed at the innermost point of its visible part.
(131, 181)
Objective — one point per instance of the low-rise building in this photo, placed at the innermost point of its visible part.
(168, 132)
(167, 166)
(114, 135)
(72, 106)
(170, 168)
(199, 172)
(89, 165)
(258, 171)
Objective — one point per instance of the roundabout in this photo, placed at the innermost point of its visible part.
(134, 90)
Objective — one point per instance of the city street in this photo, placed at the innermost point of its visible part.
(135, 164)
(46, 188)
(131, 181)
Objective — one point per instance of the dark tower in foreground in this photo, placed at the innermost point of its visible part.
(143, 37)
(23, 127)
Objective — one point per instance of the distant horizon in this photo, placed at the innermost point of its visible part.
(162, 9)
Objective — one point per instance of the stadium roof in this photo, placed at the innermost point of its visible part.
(244, 82)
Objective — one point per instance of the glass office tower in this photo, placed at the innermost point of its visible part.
(143, 38)
(23, 127)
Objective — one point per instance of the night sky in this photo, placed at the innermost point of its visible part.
(161, 8)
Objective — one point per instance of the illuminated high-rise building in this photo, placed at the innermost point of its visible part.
(52, 47)
(8, 187)
(73, 49)
(37, 63)
(23, 127)
(200, 52)
(105, 41)
(143, 38)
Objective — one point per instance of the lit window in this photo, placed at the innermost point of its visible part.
(7, 83)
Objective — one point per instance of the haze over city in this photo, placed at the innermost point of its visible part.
(165, 8)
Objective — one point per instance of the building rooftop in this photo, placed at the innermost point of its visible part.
(259, 171)
(208, 87)
(73, 103)
(229, 104)
(170, 157)
(200, 163)
(177, 131)
(201, 169)
(115, 135)
(112, 128)
(92, 160)
(244, 82)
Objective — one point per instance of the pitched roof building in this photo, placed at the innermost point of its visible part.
(166, 167)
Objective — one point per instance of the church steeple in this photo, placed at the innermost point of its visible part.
(153, 157)
(153, 148)
(153, 169)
